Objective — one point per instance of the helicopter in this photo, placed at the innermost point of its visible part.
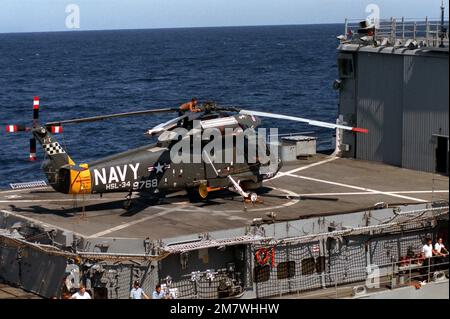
(151, 169)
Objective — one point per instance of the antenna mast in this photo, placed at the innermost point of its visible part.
(443, 30)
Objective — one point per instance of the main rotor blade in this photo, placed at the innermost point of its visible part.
(300, 119)
(109, 116)
(163, 126)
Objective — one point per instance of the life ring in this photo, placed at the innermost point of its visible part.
(263, 255)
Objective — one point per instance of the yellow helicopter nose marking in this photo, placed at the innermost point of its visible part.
(71, 162)
(80, 182)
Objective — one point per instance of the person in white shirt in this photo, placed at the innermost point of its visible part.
(427, 249)
(137, 292)
(441, 253)
(81, 294)
(440, 248)
(158, 293)
(427, 254)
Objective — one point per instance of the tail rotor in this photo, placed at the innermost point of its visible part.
(33, 149)
(35, 110)
(32, 156)
(15, 128)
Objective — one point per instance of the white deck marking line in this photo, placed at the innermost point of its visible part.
(372, 193)
(226, 215)
(358, 188)
(37, 221)
(215, 213)
(228, 212)
(134, 222)
(236, 218)
(281, 174)
(420, 192)
(219, 214)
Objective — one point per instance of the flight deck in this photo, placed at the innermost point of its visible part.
(318, 186)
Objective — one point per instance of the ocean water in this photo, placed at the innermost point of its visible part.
(284, 69)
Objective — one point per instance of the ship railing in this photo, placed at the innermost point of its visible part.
(430, 31)
(389, 276)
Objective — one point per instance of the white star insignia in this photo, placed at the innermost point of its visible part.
(159, 168)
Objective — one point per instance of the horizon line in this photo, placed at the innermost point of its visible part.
(171, 28)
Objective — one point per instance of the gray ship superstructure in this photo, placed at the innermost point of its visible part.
(346, 225)
(395, 83)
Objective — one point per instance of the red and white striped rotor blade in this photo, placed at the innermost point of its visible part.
(304, 120)
(56, 129)
(13, 128)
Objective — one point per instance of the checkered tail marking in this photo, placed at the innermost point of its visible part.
(53, 148)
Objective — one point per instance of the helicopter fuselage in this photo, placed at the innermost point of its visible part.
(153, 168)
(147, 169)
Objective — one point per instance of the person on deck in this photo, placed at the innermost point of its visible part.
(190, 106)
(440, 248)
(427, 254)
(137, 292)
(441, 252)
(158, 294)
(81, 294)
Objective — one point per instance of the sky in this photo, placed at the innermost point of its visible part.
(50, 15)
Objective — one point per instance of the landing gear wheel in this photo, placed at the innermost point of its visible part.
(193, 195)
(154, 200)
(252, 198)
(127, 204)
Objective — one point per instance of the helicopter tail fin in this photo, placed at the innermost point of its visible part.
(55, 152)
(61, 171)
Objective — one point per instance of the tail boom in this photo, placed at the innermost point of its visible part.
(61, 171)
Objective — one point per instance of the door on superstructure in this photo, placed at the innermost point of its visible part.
(442, 154)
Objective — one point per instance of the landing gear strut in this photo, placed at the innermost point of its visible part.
(252, 197)
(128, 201)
